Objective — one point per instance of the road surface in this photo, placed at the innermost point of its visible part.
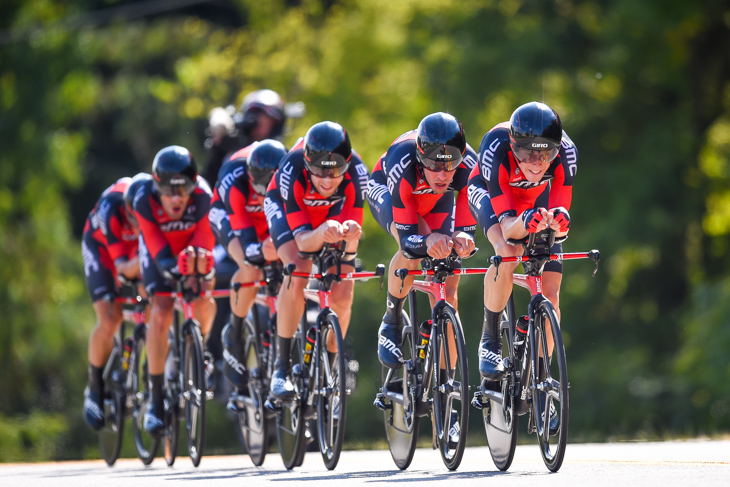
(696, 463)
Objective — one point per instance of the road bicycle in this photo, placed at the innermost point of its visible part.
(185, 387)
(319, 377)
(259, 355)
(415, 389)
(536, 380)
(126, 379)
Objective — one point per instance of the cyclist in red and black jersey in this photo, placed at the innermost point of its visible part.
(176, 240)
(411, 195)
(237, 218)
(109, 249)
(316, 197)
(523, 184)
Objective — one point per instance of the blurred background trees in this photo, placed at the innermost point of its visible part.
(91, 89)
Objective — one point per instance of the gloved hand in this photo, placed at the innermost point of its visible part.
(532, 218)
(562, 218)
(206, 263)
(186, 261)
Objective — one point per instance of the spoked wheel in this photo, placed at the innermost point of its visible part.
(194, 393)
(401, 420)
(145, 444)
(252, 418)
(110, 436)
(289, 419)
(550, 396)
(451, 378)
(501, 420)
(332, 386)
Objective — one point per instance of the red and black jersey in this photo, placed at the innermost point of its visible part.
(164, 237)
(245, 207)
(108, 223)
(305, 208)
(413, 197)
(510, 192)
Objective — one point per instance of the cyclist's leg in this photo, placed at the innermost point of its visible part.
(496, 293)
(204, 308)
(232, 335)
(100, 282)
(343, 294)
(158, 325)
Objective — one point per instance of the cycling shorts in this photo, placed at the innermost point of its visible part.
(98, 268)
(152, 278)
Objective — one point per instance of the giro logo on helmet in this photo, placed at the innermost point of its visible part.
(443, 156)
(177, 181)
(540, 146)
(328, 163)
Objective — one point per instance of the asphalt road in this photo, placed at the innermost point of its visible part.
(700, 463)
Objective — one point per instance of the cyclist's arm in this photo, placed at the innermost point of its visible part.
(330, 231)
(247, 246)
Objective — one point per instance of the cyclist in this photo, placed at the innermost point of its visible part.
(262, 117)
(238, 220)
(523, 184)
(109, 249)
(316, 197)
(172, 210)
(411, 195)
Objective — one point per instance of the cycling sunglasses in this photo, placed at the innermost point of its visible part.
(533, 156)
(328, 172)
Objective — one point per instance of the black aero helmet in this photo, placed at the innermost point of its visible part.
(131, 191)
(174, 171)
(327, 150)
(440, 142)
(262, 162)
(535, 126)
(263, 101)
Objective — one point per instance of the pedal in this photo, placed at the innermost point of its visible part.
(272, 404)
(231, 404)
(380, 402)
(476, 401)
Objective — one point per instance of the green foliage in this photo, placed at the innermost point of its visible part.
(642, 88)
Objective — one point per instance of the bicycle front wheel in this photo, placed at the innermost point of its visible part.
(332, 389)
(289, 418)
(145, 444)
(500, 419)
(194, 393)
(451, 395)
(252, 418)
(550, 395)
(110, 436)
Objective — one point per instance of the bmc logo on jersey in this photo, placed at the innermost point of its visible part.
(285, 180)
(176, 226)
(329, 201)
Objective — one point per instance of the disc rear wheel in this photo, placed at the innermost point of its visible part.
(145, 444)
(252, 418)
(194, 393)
(110, 436)
(401, 420)
(289, 418)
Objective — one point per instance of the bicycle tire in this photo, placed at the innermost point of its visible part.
(145, 444)
(252, 418)
(501, 421)
(110, 436)
(289, 418)
(401, 422)
(171, 436)
(553, 452)
(194, 392)
(332, 379)
(454, 390)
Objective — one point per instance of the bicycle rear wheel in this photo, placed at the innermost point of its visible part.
(145, 444)
(332, 387)
(501, 420)
(551, 392)
(252, 418)
(194, 392)
(110, 436)
(401, 420)
(289, 418)
(172, 417)
(451, 380)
